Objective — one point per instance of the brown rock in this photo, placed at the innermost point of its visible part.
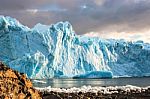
(9, 73)
(21, 96)
(26, 81)
(14, 85)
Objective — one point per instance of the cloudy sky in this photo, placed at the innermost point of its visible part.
(128, 19)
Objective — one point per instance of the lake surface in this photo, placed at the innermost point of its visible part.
(67, 83)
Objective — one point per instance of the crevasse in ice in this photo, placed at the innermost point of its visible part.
(56, 51)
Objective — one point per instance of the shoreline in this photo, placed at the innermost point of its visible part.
(88, 92)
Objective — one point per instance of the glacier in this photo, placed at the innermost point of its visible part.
(55, 51)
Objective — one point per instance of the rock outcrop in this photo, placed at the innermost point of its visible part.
(15, 85)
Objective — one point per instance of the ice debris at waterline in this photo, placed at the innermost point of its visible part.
(104, 90)
(56, 51)
(88, 92)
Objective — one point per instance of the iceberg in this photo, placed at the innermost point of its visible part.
(56, 51)
(95, 74)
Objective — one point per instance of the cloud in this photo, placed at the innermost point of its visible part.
(122, 35)
(32, 10)
(99, 2)
(100, 16)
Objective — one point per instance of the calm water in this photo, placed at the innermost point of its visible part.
(67, 83)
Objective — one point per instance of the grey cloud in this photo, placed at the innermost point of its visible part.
(111, 15)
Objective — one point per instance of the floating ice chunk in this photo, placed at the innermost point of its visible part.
(39, 81)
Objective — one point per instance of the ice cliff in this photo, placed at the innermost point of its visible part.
(56, 51)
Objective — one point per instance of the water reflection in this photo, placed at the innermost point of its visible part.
(67, 83)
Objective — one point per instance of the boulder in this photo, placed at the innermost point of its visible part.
(15, 85)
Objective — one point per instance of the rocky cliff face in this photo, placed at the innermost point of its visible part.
(14, 85)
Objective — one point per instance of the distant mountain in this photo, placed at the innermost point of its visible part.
(56, 51)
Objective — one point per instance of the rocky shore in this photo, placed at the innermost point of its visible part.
(89, 95)
(88, 92)
(15, 85)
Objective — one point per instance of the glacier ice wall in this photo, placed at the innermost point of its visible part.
(56, 51)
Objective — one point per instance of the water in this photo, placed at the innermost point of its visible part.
(67, 83)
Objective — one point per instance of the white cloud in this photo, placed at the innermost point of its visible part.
(145, 36)
(84, 6)
(32, 10)
(99, 2)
